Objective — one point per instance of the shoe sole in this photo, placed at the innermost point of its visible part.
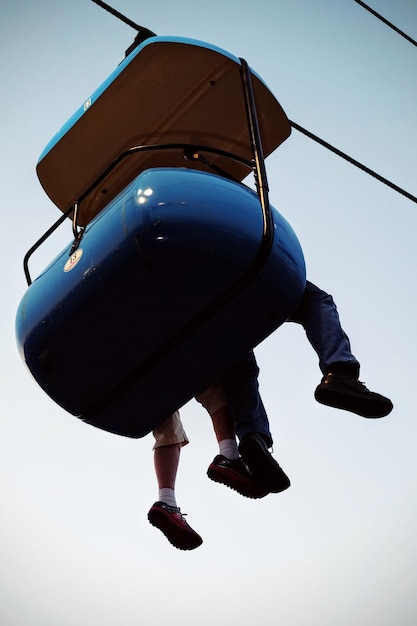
(263, 466)
(218, 476)
(337, 400)
(176, 536)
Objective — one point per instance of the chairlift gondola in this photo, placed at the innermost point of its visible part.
(176, 268)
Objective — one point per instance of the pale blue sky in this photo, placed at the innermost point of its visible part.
(338, 547)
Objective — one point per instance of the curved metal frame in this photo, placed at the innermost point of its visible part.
(257, 165)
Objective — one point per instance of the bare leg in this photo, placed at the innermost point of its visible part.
(265, 474)
(227, 468)
(165, 514)
(224, 429)
(166, 461)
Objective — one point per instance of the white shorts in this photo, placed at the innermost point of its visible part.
(171, 431)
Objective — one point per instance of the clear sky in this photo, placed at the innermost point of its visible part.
(338, 547)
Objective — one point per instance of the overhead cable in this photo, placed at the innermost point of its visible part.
(348, 158)
(123, 18)
(397, 30)
(385, 181)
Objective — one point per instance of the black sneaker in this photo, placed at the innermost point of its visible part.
(348, 393)
(171, 522)
(262, 464)
(235, 474)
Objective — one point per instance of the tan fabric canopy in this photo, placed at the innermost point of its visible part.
(168, 91)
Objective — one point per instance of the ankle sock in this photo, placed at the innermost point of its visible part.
(167, 495)
(228, 448)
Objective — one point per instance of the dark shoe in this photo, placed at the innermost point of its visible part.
(235, 474)
(348, 393)
(262, 464)
(171, 522)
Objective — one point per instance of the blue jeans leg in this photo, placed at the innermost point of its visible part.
(318, 315)
(241, 387)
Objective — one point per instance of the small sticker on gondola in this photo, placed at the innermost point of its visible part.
(73, 260)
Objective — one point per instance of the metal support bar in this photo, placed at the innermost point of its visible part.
(258, 157)
(40, 242)
(189, 149)
(257, 166)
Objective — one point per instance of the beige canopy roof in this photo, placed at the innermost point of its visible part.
(167, 91)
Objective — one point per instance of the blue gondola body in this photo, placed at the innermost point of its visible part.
(168, 285)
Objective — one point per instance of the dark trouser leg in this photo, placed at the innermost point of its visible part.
(340, 387)
(318, 315)
(242, 393)
(252, 426)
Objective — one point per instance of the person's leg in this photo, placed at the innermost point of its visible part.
(213, 399)
(166, 461)
(340, 386)
(241, 388)
(252, 425)
(318, 315)
(227, 467)
(165, 514)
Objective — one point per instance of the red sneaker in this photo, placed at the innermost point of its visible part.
(171, 522)
(236, 475)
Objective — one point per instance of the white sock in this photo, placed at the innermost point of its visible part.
(167, 495)
(228, 448)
